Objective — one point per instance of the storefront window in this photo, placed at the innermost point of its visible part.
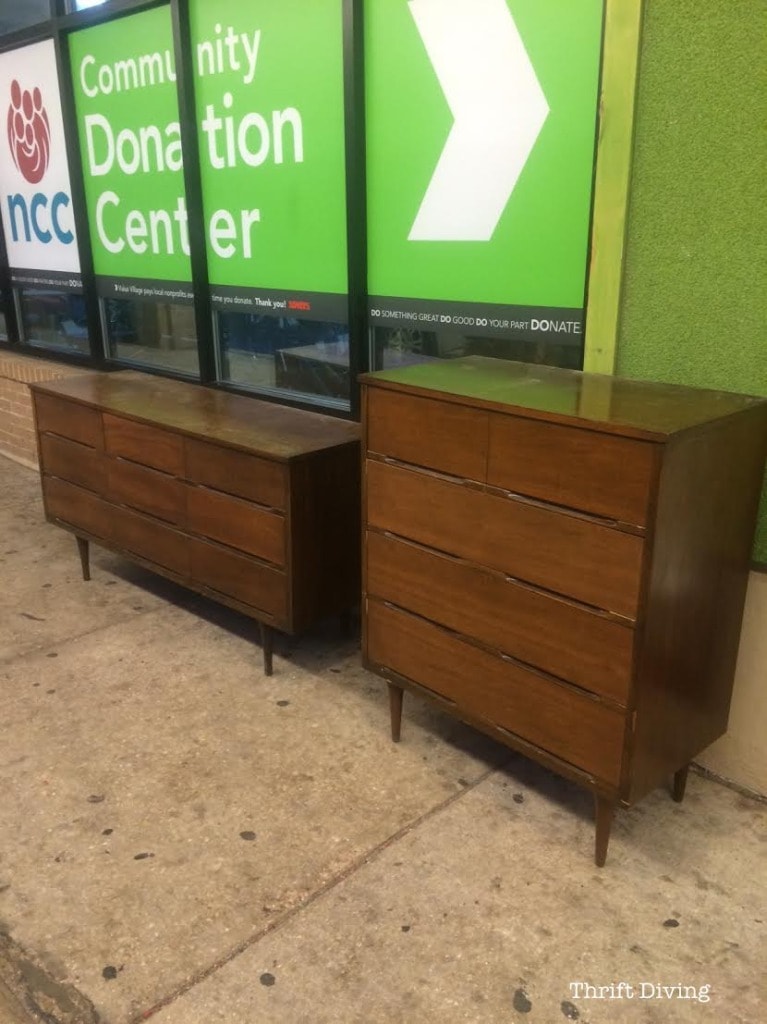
(402, 346)
(157, 334)
(15, 16)
(83, 5)
(306, 358)
(53, 319)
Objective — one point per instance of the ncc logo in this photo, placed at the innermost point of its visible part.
(29, 133)
(29, 140)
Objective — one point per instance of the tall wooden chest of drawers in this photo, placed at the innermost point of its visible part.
(561, 560)
(253, 504)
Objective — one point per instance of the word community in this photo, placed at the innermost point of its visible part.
(229, 51)
(228, 139)
(643, 990)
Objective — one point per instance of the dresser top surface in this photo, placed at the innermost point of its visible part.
(613, 404)
(264, 428)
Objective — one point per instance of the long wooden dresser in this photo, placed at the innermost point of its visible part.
(253, 504)
(561, 560)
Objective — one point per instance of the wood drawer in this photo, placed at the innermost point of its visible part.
(571, 556)
(246, 476)
(236, 523)
(583, 469)
(147, 445)
(244, 579)
(574, 727)
(427, 432)
(146, 490)
(562, 638)
(72, 461)
(159, 544)
(77, 507)
(68, 419)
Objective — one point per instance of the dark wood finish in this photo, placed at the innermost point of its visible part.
(84, 552)
(449, 438)
(570, 467)
(254, 583)
(157, 543)
(144, 444)
(605, 813)
(536, 707)
(707, 502)
(275, 432)
(73, 461)
(320, 509)
(579, 593)
(146, 490)
(396, 694)
(680, 784)
(611, 405)
(68, 419)
(235, 472)
(267, 643)
(253, 505)
(238, 523)
(76, 507)
(561, 637)
(567, 554)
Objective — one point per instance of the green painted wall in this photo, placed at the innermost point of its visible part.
(694, 308)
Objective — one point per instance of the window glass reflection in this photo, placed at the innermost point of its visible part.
(15, 15)
(53, 319)
(157, 334)
(402, 346)
(307, 358)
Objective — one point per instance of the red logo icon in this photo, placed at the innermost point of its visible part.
(29, 133)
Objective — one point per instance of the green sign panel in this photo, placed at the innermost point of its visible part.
(481, 118)
(270, 106)
(128, 124)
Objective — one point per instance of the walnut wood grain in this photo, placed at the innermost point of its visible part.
(276, 432)
(72, 461)
(156, 543)
(561, 637)
(253, 505)
(577, 468)
(68, 419)
(75, 506)
(541, 710)
(236, 523)
(613, 405)
(571, 556)
(146, 490)
(428, 433)
(707, 502)
(236, 472)
(637, 499)
(147, 445)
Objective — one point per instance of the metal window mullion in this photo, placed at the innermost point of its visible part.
(190, 148)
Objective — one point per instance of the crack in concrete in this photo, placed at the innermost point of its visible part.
(323, 890)
(30, 995)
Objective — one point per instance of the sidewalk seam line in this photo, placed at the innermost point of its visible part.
(312, 898)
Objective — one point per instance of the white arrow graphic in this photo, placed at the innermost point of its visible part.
(498, 108)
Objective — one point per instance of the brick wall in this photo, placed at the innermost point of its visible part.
(17, 428)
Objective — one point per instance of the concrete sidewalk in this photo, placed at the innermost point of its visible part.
(184, 839)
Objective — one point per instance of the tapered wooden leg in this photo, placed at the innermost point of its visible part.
(605, 812)
(395, 710)
(267, 643)
(680, 782)
(83, 548)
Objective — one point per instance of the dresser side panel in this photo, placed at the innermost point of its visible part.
(707, 503)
